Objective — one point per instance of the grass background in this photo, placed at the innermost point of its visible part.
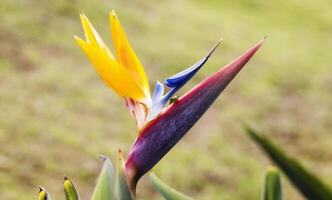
(56, 116)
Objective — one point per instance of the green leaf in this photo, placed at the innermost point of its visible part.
(305, 181)
(43, 194)
(272, 189)
(70, 190)
(123, 189)
(104, 189)
(167, 192)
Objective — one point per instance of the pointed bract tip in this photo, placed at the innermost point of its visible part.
(257, 46)
(262, 40)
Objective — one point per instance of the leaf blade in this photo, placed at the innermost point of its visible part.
(104, 189)
(70, 190)
(272, 189)
(305, 181)
(166, 191)
(124, 190)
(43, 194)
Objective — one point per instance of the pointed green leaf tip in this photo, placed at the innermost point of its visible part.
(70, 190)
(166, 191)
(104, 189)
(305, 181)
(43, 194)
(124, 192)
(272, 189)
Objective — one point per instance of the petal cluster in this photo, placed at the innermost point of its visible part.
(124, 74)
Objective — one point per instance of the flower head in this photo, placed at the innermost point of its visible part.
(125, 74)
(160, 126)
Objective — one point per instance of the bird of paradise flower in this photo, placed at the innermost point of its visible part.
(160, 126)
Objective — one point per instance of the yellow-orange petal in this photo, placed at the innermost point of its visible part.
(114, 75)
(91, 34)
(126, 55)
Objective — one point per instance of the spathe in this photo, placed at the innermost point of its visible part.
(158, 136)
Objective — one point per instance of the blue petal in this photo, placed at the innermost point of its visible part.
(178, 80)
(182, 77)
(156, 103)
(158, 92)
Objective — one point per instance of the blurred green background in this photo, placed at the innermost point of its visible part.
(56, 116)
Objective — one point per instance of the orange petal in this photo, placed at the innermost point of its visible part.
(125, 54)
(114, 75)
